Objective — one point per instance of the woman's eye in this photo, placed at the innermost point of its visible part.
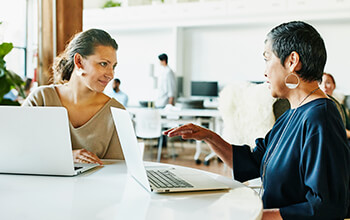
(103, 64)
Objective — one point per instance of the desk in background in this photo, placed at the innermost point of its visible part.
(175, 117)
(110, 193)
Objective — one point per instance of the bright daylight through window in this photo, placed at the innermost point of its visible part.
(18, 26)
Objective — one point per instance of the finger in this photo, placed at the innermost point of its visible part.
(80, 160)
(185, 129)
(89, 157)
(170, 130)
(190, 136)
(95, 158)
(92, 158)
(180, 132)
(98, 161)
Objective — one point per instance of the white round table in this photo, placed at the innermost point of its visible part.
(110, 193)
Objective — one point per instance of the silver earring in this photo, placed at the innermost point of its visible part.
(290, 82)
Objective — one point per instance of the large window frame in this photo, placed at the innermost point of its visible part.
(23, 57)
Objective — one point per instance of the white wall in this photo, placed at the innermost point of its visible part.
(337, 38)
(224, 54)
(138, 50)
(94, 3)
(234, 53)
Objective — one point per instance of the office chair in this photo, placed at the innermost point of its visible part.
(148, 126)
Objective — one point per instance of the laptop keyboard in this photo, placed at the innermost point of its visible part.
(166, 179)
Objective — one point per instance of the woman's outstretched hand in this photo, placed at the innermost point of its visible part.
(189, 131)
(84, 156)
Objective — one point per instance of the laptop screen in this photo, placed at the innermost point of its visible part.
(130, 147)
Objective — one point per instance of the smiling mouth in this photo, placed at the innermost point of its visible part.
(104, 82)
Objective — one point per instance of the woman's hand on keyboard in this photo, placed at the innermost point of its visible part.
(84, 156)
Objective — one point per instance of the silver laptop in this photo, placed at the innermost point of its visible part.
(157, 178)
(36, 140)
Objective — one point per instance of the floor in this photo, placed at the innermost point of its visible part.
(184, 151)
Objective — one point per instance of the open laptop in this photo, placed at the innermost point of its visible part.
(149, 177)
(36, 140)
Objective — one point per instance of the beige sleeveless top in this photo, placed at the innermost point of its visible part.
(98, 135)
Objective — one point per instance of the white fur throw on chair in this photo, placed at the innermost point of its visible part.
(247, 112)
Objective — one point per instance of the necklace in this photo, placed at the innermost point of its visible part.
(271, 151)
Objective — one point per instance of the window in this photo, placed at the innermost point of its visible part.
(19, 26)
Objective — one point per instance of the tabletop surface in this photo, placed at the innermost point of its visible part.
(108, 192)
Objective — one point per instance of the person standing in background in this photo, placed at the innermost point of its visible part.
(166, 84)
(119, 95)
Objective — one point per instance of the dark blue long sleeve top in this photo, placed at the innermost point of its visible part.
(307, 176)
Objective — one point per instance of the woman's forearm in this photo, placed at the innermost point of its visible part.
(220, 147)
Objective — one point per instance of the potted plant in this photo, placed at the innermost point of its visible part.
(8, 79)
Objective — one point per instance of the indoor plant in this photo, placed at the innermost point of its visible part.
(8, 79)
(111, 4)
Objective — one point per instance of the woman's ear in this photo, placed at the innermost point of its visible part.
(293, 62)
(78, 61)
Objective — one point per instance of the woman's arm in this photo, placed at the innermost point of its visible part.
(271, 214)
(191, 131)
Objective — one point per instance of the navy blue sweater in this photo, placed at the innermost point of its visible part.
(307, 176)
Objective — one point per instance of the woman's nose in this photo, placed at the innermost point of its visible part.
(110, 74)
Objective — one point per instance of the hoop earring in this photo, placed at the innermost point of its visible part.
(292, 84)
(80, 72)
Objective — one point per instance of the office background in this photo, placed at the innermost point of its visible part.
(219, 40)
(215, 41)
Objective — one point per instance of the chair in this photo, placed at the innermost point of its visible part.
(148, 126)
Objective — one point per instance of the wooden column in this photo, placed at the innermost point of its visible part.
(45, 44)
(67, 22)
(69, 14)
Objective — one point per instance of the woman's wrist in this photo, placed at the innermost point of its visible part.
(210, 136)
(271, 214)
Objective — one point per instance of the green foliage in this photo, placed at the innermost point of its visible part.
(111, 3)
(8, 79)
